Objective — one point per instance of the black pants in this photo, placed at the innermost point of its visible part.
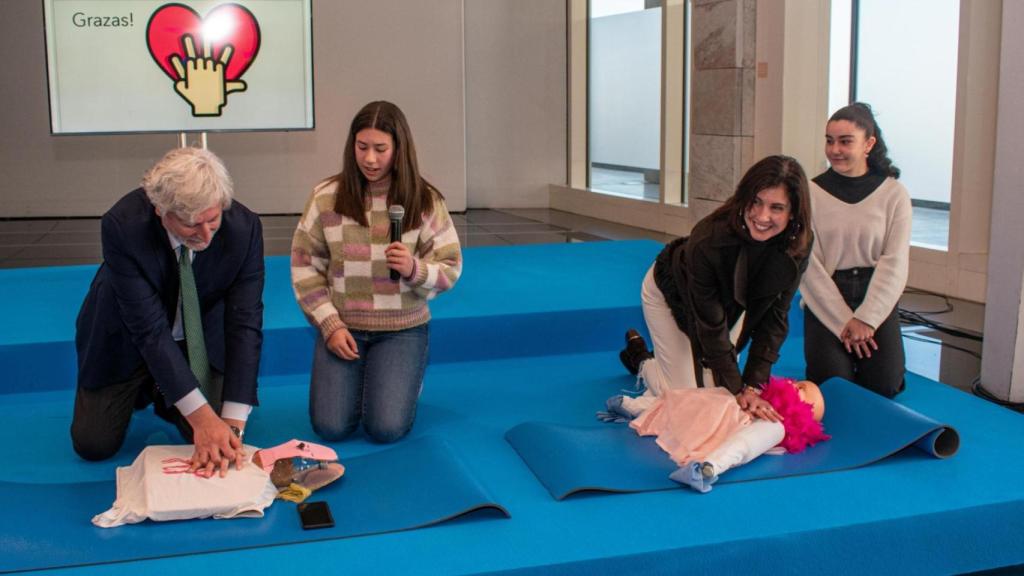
(101, 416)
(827, 357)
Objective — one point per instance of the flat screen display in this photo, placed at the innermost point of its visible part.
(128, 66)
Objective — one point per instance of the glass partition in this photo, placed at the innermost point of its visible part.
(624, 97)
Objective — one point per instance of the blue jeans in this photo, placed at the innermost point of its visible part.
(380, 388)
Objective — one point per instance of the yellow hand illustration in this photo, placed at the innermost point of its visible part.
(202, 81)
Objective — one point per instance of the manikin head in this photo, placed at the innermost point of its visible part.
(802, 407)
(811, 394)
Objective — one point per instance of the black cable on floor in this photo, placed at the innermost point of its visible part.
(947, 303)
(919, 317)
(976, 387)
(982, 392)
(915, 319)
(941, 343)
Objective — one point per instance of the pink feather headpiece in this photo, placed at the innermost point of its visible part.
(802, 430)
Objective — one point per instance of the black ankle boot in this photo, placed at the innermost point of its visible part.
(635, 351)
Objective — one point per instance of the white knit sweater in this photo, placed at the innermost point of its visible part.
(874, 232)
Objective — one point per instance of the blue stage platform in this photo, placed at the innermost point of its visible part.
(529, 334)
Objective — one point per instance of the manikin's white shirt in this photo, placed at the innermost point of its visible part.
(145, 490)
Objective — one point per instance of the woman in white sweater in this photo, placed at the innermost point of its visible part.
(861, 221)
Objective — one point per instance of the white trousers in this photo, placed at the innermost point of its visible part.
(672, 365)
(748, 443)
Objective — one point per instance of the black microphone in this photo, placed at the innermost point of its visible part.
(396, 213)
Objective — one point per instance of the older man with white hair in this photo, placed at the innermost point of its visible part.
(174, 315)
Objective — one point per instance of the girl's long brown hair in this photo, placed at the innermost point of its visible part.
(408, 188)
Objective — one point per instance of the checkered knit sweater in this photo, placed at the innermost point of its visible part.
(340, 275)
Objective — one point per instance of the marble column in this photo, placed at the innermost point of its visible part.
(721, 134)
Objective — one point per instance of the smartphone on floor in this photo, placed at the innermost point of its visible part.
(315, 515)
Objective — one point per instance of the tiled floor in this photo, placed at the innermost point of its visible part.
(950, 359)
(624, 182)
(29, 243)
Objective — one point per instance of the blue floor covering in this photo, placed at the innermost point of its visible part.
(531, 334)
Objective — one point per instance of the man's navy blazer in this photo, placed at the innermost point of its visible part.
(128, 314)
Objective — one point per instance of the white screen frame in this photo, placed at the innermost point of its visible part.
(140, 98)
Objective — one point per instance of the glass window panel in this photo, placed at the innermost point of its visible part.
(906, 70)
(840, 28)
(624, 97)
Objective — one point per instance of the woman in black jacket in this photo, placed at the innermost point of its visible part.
(728, 284)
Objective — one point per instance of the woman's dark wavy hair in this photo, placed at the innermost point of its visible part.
(408, 188)
(770, 172)
(861, 115)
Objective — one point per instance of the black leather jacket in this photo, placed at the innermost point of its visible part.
(704, 280)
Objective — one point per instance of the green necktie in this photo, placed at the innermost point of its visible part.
(192, 320)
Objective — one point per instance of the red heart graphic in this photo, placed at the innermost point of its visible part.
(226, 24)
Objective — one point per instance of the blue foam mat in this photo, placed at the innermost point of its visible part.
(864, 426)
(415, 484)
